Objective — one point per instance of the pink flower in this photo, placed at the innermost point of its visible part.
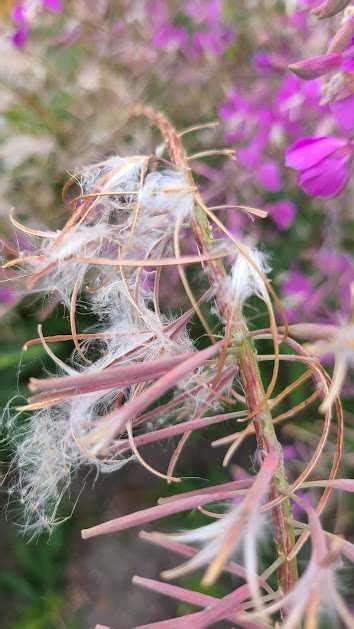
(20, 37)
(323, 164)
(7, 295)
(297, 291)
(168, 35)
(343, 111)
(22, 21)
(56, 6)
(214, 41)
(268, 176)
(282, 212)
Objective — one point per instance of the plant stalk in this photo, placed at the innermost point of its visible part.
(284, 535)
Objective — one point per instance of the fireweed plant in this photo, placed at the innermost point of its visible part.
(324, 162)
(127, 231)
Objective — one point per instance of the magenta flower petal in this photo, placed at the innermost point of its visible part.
(17, 14)
(7, 295)
(56, 6)
(20, 37)
(249, 156)
(343, 111)
(268, 176)
(309, 151)
(326, 179)
(169, 35)
(348, 64)
(297, 283)
(282, 212)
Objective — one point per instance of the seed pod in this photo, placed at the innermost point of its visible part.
(316, 66)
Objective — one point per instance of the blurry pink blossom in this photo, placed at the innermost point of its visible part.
(56, 6)
(170, 35)
(343, 111)
(268, 175)
(7, 295)
(297, 291)
(208, 33)
(282, 212)
(323, 163)
(23, 14)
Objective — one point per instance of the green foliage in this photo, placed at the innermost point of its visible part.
(33, 586)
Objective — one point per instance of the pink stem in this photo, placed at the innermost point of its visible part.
(147, 515)
(118, 419)
(172, 431)
(109, 378)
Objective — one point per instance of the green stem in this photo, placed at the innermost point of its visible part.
(284, 536)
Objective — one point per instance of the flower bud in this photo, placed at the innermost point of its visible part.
(316, 66)
(329, 8)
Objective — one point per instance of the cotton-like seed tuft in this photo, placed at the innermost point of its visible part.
(246, 277)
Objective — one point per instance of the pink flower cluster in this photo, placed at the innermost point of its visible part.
(210, 34)
(324, 162)
(23, 14)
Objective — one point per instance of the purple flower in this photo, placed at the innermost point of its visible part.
(203, 11)
(290, 453)
(235, 112)
(343, 111)
(297, 284)
(282, 212)
(214, 41)
(22, 23)
(268, 62)
(249, 155)
(268, 176)
(297, 291)
(20, 36)
(7, 295)
(17, 15)
(56, 6)
(170, 35)
(323, 163)
(338, 269)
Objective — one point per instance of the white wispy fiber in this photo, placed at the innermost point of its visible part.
(212, 537)
(133, 215)
(168, 193)
(59, 265)
(246, 277)
(244, 522)
(49, 451)
(125, 209)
